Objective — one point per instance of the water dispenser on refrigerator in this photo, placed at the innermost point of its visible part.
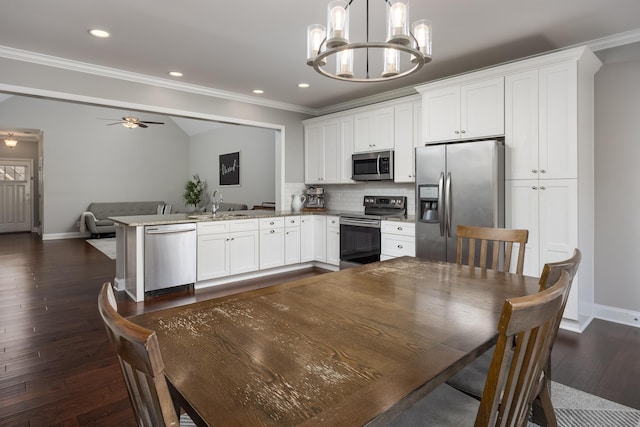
(430, 200)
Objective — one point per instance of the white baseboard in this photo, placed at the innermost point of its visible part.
(58, 236)
(616, 315)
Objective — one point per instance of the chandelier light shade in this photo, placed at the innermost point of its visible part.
(11, 142)
(316, 35)
(397, 17)
(337, 23)
(405, 49)
(421, 31)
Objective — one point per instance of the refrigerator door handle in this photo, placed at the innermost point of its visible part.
(447, 202)
(441, 207)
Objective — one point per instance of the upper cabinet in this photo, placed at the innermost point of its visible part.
(453, 111)
(373, 130)
(323, 153)
(331, 140)
(407, 134)
(541, 123)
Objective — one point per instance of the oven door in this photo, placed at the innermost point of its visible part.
(359, 242)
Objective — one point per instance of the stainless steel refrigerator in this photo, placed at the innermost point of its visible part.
(456, 183)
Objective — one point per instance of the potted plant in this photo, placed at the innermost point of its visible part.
(194, 188)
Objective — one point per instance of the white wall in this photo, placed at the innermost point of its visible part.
(617, 181)
(86, 161)
(257, 162)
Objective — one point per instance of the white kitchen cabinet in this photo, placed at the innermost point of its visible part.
(213, 256)
(226, 248)
(292, 240)
(272, 243)
(323, 153)
(307, 238)
(346, 139)
(463, 111)
(549, 166)
(404, 132)
(373, 130)
(320, 238)
(333, 240)
(541, 123)
(397, 239)
(548, 209)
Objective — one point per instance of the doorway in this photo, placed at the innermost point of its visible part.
(16, 188)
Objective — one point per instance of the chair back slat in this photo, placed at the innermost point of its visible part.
(498, 238)
(512, 383)
(141, 363)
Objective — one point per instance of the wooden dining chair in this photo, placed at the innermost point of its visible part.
(511, 385)
(471, 378)
(543, 412)
(496, 238)
(139, 356)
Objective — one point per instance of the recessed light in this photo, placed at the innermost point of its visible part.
(303, 85)
(99, 33)
(258, 91)
(175, 73)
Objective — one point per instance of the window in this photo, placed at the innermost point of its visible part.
(13, 173)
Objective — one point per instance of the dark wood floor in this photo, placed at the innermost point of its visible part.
(57, 368)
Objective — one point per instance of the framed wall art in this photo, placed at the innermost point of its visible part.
(230, 169)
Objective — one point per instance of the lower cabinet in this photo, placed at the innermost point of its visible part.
(320, 238)
(292, 253)
(397, 239)
(226, 248)
(549, 210)
(333, 240)
(307, 238)
(272, 243)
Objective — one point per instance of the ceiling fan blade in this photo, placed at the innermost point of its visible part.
(151, 123)
(142, 125)
(111, 124)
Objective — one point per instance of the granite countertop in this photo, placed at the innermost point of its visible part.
(181, 218)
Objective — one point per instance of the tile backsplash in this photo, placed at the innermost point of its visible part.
(349, 197)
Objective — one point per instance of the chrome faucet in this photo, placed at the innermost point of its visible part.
(215, 203)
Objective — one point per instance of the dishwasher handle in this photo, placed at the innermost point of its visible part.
(160, 231)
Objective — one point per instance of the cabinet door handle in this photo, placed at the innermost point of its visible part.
(272, 231)
(543, 171)
(399, 246)
(534, 170)
(542, 187)
(464, 131)
(456, 132)
(534, 188)
(399, 228)
(271, 223)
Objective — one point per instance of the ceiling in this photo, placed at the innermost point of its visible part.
(238, 46)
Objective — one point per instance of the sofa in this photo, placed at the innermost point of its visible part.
(224, 207)
(94, 219)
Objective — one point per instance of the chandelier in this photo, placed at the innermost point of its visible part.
(403, 52)
(11, 142)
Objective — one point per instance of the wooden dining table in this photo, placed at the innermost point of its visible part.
(348, 348)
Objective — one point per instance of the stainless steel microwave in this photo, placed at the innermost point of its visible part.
(374, 166)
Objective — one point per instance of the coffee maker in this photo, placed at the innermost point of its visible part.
(315, 198)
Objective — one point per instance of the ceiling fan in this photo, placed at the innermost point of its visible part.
(132, 122)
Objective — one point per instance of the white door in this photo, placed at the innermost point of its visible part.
(15, 195)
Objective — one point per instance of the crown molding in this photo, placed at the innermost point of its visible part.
(615, 40)
(114, 73)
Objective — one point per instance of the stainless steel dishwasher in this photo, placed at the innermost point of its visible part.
(169, 256)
